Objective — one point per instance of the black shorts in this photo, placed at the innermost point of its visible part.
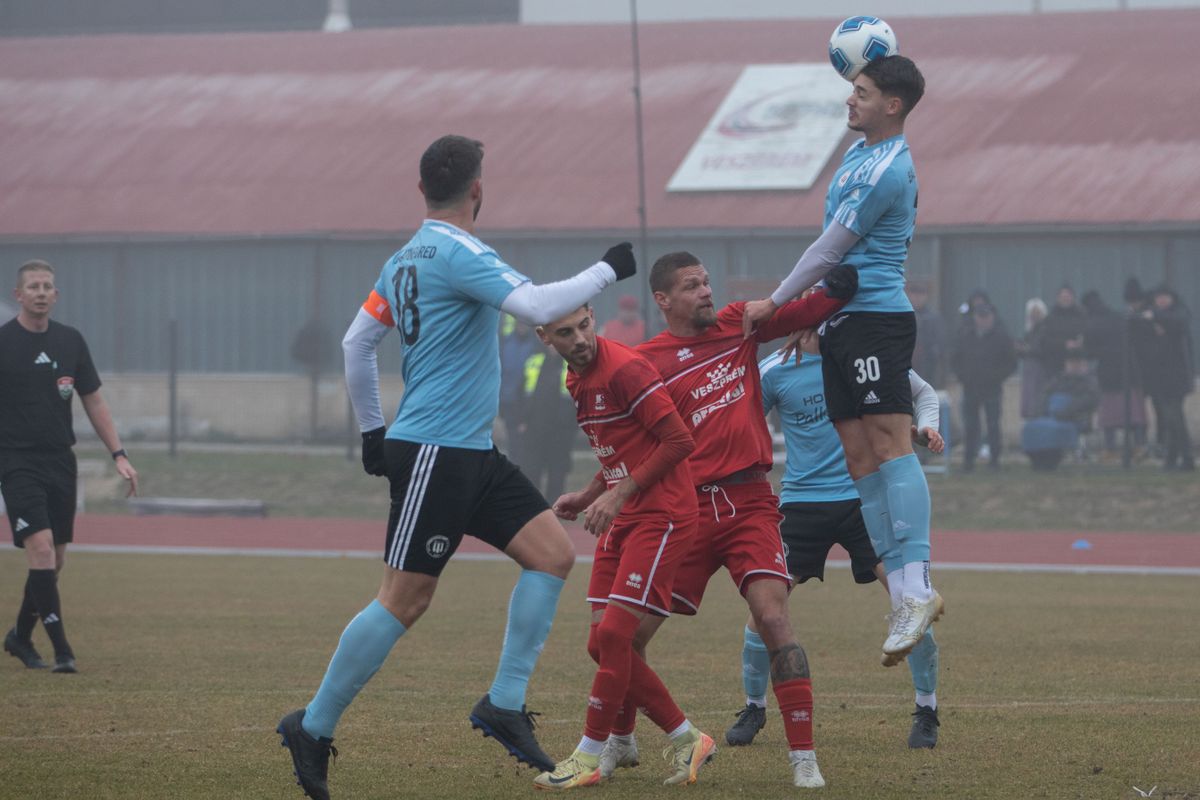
(440, 493)
(39, 493)
(809, 530)
(865, 359)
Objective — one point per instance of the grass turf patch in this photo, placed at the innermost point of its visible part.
(1051, 686)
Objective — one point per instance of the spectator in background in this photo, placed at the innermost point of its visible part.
(1033, 368)
(976, 297)
(517, 344)
(546, 422)
(929, 353)
(1106, 339)
(628, 328)
(1163, 347)
(1068, 404)
(1062, 330)
(983, 357)
(1073, 396)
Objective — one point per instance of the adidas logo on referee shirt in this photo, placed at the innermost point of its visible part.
(21, 525)
(870, 398)
(42, 358)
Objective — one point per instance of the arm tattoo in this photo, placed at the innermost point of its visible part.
(788, 663)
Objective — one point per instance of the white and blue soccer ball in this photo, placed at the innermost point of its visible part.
(858, 41)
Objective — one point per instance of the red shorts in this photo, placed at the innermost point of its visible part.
(739, 530)
(636, 562)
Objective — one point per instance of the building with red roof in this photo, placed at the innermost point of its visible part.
(246, 183)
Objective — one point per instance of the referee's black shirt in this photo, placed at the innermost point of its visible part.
(39, 374)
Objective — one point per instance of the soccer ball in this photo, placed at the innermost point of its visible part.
(857, 41)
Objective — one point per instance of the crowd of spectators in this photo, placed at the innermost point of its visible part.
(1084, 366)
(1089, 374)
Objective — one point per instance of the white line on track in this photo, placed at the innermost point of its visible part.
(285, 552)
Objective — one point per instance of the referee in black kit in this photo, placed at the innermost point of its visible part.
(42, 364)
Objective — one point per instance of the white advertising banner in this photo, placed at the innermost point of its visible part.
(776, 129)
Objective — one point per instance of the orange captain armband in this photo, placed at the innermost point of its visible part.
(378, 308)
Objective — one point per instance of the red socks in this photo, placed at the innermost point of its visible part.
(611, 644)
(795, 700)
(626, 719)
(650, 694)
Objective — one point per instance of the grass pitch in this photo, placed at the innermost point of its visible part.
(1056, 686)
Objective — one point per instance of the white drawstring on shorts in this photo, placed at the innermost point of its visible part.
(712, 490)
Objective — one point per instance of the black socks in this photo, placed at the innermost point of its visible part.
(27, 617)
(42, 585)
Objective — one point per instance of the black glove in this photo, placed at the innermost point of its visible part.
(372, 452)
(620, 258)
(841, 282)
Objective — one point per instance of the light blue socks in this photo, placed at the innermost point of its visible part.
(872, 490)
(756, 667)
(923, 664)
(360, 653)
(530, 613)
(907, 506)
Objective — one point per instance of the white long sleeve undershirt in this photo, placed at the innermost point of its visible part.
(821, 256)
(530, 303)
(362, 369)
(538, 305)
(926, 405)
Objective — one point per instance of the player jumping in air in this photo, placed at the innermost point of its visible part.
(821, 508)
(443, 292)
(870, 213)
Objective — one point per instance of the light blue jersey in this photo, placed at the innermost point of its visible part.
(816, 466)
(874, 194)
(444, 289)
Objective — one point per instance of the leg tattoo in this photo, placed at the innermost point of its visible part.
(788, 663)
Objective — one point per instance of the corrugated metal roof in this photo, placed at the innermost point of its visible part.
(1073, 118)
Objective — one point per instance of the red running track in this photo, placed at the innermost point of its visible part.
(1133, 551)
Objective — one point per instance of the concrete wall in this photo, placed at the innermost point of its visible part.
(234, 406)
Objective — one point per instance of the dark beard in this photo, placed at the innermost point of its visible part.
(705, 319)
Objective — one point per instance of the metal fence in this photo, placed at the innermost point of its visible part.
(240, 305)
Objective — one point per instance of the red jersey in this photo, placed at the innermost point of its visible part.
(713, 379)
(617, 401)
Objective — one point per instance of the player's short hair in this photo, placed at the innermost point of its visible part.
(897, 76)
(36, 265)
(662, 274)
(447, 168)
(546, 326)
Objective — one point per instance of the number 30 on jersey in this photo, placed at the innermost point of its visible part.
(868, 369)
